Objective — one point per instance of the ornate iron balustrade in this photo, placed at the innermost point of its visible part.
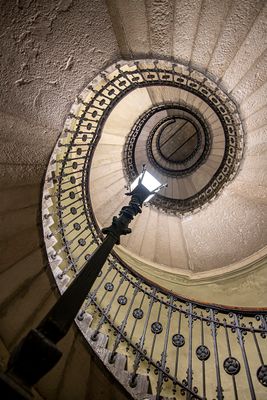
(183, 347)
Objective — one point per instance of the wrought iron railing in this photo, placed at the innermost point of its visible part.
(183, 347)
(179, 341)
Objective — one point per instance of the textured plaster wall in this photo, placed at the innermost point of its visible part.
(49, 51)
(207, 33)
(245, 287)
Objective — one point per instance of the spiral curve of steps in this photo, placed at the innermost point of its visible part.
(55, 56)
(112, 168)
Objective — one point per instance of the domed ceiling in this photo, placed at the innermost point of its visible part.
(189, 134)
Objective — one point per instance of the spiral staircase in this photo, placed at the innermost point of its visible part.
(145, 66)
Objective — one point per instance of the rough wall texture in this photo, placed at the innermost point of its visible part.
(49, 51)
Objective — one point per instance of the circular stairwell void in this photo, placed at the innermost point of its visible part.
(176, 145)
(179, 144)
(195, 139)
(181, 229)
(84, 188)
(189, 133)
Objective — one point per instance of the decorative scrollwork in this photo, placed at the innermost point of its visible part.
(262, 375)
(109, 286)
(122, 300)
(156, 328)
(202, 352)
(76, 226)
(178, 340)
(231, 365)
(138, 313)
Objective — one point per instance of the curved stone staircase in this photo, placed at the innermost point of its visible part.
(46, 48)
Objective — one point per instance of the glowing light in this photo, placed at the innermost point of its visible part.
(149, 182)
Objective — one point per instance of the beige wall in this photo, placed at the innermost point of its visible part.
(244, 286)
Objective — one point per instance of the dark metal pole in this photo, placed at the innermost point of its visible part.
(37, 353)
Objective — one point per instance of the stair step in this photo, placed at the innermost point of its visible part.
(118, 367)
(85, 323)
(142, 384)
(119, 364)
(100, 342)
